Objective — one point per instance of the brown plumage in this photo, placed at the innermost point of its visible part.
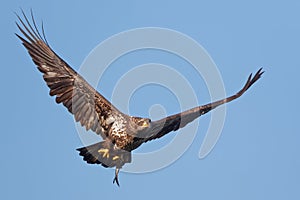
(121, 133)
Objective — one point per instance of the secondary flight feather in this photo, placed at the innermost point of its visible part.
(120, 132)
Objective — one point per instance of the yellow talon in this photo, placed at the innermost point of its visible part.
(105, 152)
(116, 157)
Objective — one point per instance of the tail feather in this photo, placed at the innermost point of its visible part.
(90, 154)
(105, 154)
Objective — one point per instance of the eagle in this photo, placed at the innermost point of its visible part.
(120, 132)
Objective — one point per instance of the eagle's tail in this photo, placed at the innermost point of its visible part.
(104, 153)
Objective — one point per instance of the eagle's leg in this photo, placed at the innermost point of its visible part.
(116, 176)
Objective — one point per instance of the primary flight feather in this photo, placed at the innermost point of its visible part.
(121, 133)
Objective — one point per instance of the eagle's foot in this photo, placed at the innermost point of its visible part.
(116, 157)
(116, 180)
(105, 152)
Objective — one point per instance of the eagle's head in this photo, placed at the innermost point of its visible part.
(141, 123)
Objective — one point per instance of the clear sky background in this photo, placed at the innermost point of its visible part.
(257, 156)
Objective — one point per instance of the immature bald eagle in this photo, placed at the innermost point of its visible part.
(121, 133)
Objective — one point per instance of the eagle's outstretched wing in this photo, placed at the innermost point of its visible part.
(88, 106)
(163, 126)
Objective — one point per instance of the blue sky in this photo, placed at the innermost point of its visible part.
(257, 156)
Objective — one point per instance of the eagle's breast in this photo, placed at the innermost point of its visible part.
(118, 132)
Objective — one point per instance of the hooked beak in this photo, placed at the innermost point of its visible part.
(145, 124)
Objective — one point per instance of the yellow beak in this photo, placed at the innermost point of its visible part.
(145, 124)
